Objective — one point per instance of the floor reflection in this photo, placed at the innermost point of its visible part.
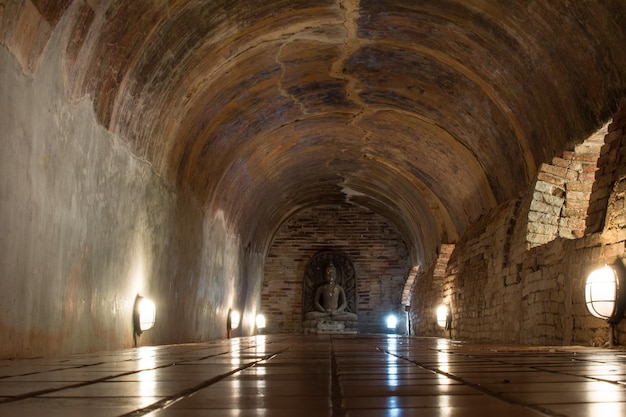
(235, 352)
(392, 361)
(278, 375)
(260, 347)
(147, 382)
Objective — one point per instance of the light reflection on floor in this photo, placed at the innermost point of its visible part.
(147, 383)
(305, 376)
(392, 361)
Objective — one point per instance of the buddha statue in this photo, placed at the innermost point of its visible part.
(330, 301)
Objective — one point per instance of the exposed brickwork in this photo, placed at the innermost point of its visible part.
(562, 192)
(424, 300)
(376, 249)
(445, 250)
(500, 292)
(435, 288)
(480, 285)
(611, 167)
(409, 286)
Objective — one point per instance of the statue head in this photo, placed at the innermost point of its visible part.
(331, 273)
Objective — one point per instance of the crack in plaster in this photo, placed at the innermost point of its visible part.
(352, 42)
(283, 70)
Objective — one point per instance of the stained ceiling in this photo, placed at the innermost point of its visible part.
(430, 113)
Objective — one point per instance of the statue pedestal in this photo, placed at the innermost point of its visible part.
(325, 326)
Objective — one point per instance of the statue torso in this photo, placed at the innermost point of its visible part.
(330, 296)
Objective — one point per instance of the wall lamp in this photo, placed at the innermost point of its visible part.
(392, 322)
(260, 321)
(144, 316)
(232, 322)
(605, 296)
(444, 318)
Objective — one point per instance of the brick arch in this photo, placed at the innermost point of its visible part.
(562, 194)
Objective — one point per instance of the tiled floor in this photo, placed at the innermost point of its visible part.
(301, 376)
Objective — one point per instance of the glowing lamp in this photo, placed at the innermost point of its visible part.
(604, 295)
(442, 315)
(144, 315)
(235, 319)
(260, 321)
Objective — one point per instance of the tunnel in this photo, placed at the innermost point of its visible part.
(204, 155)
(333, 207)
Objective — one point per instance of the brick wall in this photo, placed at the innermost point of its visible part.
(562, 192)
(500, 291)
(430, 284)
(611, 167)
(376, 249)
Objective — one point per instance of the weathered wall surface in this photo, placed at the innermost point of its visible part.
(376, 249)
(499, 291)
(85, 226)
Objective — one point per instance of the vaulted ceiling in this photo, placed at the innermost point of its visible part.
(430, 113)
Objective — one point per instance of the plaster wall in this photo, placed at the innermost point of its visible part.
(85, 226)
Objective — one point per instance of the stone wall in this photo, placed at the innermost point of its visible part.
(376, 249)
(501, 292)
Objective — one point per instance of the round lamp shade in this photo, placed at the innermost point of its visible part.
(601, 293)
